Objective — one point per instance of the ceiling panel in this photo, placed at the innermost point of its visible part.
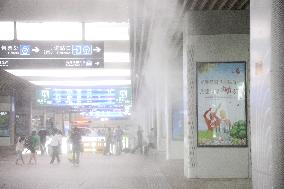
(141, 26)
(64, 10)
(9, 84)
(215, 4)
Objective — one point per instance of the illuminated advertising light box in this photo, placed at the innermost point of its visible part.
(221, 104)
(4, 124)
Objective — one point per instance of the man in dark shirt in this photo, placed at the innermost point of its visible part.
(75, 139)
(109, 139)
(139, 141)
(42, 138)
(118, 140)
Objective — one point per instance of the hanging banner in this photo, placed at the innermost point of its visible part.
(221, 104)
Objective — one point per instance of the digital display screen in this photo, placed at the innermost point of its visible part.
(104, 102)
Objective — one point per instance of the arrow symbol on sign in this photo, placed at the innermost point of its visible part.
(97, 49)
(97, 63)
(36, 49)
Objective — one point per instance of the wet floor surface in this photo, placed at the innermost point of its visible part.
(128, 171)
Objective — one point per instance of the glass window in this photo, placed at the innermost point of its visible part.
(116, 57)
(49, 31)
(6, 30)
(102, 31)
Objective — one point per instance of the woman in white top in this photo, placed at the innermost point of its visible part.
(55, 143)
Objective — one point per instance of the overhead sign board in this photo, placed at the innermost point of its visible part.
(79, 97)
(49, 54)
(99, 102)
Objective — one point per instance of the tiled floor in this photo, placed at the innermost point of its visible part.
(129, 171)
(173, 171)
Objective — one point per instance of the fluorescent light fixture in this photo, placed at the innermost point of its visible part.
(116, 57)
(70, 73)
(107, 31)
(83, 83)
(7, 30)
(49, 31)
(104, 119)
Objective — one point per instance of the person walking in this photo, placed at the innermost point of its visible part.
(34, 142)
(108, 139)
(75, 139)
(139, 141)
(151, 139)
(19, 149)
(42, 138)
(118, 140)
(60, 136)
(55, 144)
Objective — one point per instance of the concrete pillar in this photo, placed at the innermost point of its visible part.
(168, 123)
(213, 42)
(5, 105)
(154, 121)
(189, 80)
(62, 121)
(30, 117)
(267, 87)
(149, 119)
(44, 118)
(153, 118)
(58, 121)
(159, 121)
(161, 145)
(12, 121)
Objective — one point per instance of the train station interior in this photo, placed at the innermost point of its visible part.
(141, 94)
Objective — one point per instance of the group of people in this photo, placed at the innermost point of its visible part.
(113, 144)
(113, 139)
(143, 146)
(38, 141)
(75, 138)
(30, 143)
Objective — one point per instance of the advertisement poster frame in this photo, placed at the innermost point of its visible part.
(238, 124)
